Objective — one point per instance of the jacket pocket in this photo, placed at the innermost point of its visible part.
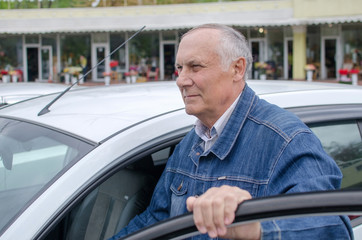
(179, 187)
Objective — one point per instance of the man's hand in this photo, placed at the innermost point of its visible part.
(215, 209)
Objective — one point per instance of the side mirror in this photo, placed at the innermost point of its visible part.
(6, 156)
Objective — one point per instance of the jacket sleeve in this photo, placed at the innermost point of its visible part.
(304, 167)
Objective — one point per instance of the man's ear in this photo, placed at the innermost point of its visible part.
(239, 69)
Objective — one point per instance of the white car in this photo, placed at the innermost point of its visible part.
(15, 92)
(74, 167)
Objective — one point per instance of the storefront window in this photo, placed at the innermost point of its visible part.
(244, 31)
(169, 35)
(352, 47)
(32, 39)
(11, 56)
(49, 58)
(257, 43)
(73, 49)
(49, 40)
(257, 32)
(275, 53)
(116, 39)
(314, 48)
(144, 52)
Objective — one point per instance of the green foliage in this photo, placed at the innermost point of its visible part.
(28, 4)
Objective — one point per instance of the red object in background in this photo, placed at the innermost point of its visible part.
(113, 63)
(354, 71)
(20, 74)
(3, 72)
(343, 71)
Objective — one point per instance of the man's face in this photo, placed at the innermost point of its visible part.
(206, 88)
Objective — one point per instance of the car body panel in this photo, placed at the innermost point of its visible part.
(126, 105)
(357, 231)
(16, 92)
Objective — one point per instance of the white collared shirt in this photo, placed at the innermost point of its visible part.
(209, 136)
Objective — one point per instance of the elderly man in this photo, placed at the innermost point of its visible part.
(241, 147)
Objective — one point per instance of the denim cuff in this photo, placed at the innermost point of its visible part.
(270, 231)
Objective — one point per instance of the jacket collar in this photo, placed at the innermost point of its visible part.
(233, 127)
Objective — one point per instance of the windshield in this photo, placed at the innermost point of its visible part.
(31, 157)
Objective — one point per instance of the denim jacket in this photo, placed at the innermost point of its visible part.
(263, 149)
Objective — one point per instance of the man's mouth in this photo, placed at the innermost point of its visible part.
(190, 96)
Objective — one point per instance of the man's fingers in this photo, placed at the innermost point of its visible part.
(218, 206)
(199, 214)
(215, 209)
(190, 203)
(229, 211)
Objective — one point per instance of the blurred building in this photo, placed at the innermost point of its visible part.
(284, 35)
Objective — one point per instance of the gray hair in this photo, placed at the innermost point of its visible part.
(233, 45)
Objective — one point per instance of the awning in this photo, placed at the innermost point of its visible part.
(161, 17)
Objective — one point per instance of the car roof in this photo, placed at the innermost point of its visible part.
(96, 113)
(14, 92)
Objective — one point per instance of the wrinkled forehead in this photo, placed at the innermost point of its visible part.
(197, 47)
(200, 39)
(206, 32)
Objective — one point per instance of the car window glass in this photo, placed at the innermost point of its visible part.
(161, 157)
(30, 158)
(342, 141)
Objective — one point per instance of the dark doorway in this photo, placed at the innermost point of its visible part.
(290, 58)
(101, 68)
(255, 51)
(169, 57)
(33, 64)
(330, 50)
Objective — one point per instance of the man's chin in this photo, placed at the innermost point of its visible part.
(190, 111)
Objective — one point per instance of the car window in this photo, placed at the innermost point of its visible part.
(342, 141)
(31, 157)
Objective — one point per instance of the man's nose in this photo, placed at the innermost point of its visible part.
(183, 79)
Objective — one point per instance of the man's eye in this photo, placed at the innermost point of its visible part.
(179, 68)
(196, 67)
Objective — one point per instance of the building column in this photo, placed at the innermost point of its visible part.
(299, 51)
